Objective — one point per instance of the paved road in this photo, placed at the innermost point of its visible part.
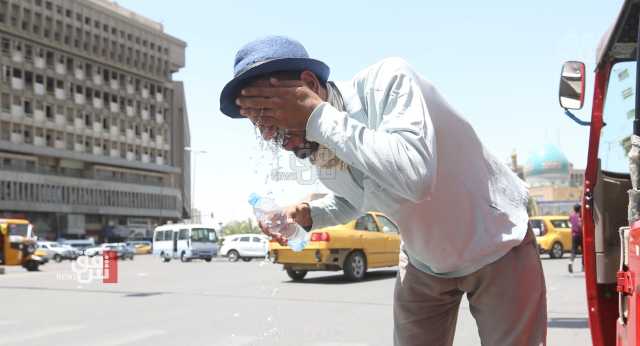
(222, 303)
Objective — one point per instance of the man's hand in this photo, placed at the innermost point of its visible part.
(285, 104)
(299, 213)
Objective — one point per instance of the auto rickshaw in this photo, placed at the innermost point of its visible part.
(18, 244)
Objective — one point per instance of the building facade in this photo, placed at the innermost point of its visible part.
(92, 125)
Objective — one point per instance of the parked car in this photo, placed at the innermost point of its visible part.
(124, 252)
(553, 234)
(56, 251)
(142, 247)
(370, 241)
(79, 244)
(245, 247)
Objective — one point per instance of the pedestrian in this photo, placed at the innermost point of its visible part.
(576, 235)
(388, 141)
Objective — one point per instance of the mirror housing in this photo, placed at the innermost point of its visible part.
(572, 85)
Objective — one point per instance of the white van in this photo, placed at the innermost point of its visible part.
(185, 242)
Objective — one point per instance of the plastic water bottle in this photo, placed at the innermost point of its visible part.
(272, 216)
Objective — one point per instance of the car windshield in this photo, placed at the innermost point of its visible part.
(203, 235)
(18, 229)
(619, 112)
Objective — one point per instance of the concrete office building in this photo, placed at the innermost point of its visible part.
(92, 126)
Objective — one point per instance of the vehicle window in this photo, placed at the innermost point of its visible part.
(366, 223)
(203, 234)
(537, 226)
(560, 223)
(392, 228)
(18, 229)
(244, 239)
(256, 240)
(168, 235)
(159, 236)
(183, 234)
(619, 112)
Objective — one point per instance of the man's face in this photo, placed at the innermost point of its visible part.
(289, 140)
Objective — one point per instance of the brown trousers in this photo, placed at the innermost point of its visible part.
(507, 298)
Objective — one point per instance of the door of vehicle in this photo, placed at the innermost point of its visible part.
(174, 239)
(563, 228)
(392, 240)
(259, 246)
(244, 246)
(183, 242)
(373, 240)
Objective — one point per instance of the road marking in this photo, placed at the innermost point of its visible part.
(12, 340)
(134, 338)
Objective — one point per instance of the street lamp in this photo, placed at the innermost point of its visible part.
(193, 175)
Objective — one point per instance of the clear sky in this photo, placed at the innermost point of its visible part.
(496, 61)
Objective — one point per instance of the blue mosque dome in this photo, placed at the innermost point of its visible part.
(549, 161)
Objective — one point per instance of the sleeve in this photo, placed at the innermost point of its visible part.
(397, 149)
(331, 210)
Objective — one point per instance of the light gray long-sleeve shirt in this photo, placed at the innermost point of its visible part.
(414, 158)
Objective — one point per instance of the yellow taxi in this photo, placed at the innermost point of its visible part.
(370, 241)
(553, 234)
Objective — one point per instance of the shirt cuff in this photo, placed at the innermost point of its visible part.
(322, 123)
(319, 215)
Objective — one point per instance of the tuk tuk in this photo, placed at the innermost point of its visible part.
(18, 244)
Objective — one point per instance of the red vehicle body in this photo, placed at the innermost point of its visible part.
(611, 251)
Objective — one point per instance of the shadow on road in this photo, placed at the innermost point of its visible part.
(339, 279)
(569, 323)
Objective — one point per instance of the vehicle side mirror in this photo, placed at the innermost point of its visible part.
(572, 83)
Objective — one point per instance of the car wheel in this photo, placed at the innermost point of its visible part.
(556, 250)
(208, 259)
(355, 266)
(296, 275)
(57, 258)
(31, 266)
(183, 257)
(233, 255)
(165, 258)
(246, 259)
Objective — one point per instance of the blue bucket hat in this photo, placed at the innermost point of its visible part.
(267, 55)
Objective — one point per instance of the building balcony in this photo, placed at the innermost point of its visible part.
(159, 97)
(17, 83)
(145, 138)
(97, 102)
(78, 124)
(59, 94)
(160, 160)
(114, 84)
(145, 93)
(16, 138)
(114, 131)
(145, 158)
(130, 89)
(97, 150)
(58, 144)
(17, 56)
(60, 68)
(159, 140)
(38, 62)
(113, 107)
(129, 134)
(129, 110)
(97, 79)
(78, 147)
(79, 74)
(97, 127)
(79, 98)
(38, 89)
(159, 118)
(60, 119)
(39, 141)
(145, 114)
(38, 116)
(130, 156)
(114, 153)
(17, 111)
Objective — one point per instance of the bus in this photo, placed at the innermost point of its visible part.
(185, 242)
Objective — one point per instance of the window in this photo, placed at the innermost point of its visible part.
(366, 223)
(560, 223)
(537, 226)
(387, 225)
(203, 235)
(257, 240)
(183, 234)
(245, 239)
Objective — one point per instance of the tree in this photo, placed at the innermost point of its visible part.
(239, 227)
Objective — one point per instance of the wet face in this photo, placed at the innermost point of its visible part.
(289, 140)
